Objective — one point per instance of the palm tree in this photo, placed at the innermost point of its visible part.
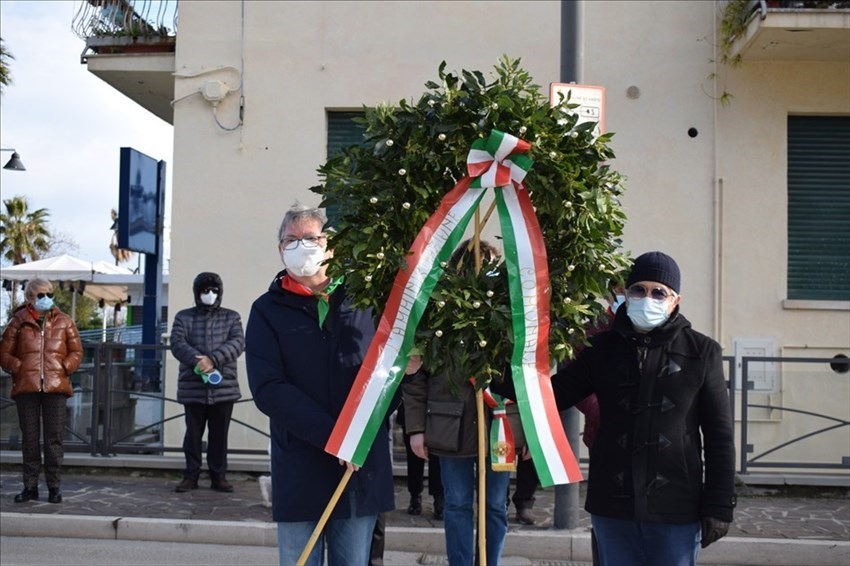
(121, 255)
(5, 73)
(23, 234)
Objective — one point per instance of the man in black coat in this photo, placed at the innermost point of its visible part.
(662, 477)
(207, 339)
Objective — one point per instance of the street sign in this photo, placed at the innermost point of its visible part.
(590, 100)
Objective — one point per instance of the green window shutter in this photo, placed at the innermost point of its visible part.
(343, 131)
(819, 207)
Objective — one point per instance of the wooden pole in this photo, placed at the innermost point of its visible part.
(482, 483)
(302, 560)
(479, 405)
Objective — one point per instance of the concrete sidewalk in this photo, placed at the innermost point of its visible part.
(808, 526)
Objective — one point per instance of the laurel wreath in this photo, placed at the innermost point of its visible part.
(381, 192)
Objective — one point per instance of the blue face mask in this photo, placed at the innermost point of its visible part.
(43, 304)
(619, 300)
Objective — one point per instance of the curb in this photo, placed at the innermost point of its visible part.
(544, 545)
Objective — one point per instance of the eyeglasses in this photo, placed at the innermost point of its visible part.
(209, 290)
(42, 295)
(657, 293)
(309, 242)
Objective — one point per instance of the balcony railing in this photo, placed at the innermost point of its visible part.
(120, 27)
(784, 30)
(126, 18)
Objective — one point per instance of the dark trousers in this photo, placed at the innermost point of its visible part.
(35, 410)
(526, 484)
(416, 472)
(199, 417)
(376, 551)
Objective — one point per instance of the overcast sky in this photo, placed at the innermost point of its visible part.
(68, 127)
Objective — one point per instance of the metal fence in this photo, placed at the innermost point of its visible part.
(118, 405)
(793, 413)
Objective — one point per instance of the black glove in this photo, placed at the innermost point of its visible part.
(713, 530)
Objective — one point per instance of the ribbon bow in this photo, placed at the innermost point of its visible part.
(498, 161)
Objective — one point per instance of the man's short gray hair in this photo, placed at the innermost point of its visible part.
(299, 213)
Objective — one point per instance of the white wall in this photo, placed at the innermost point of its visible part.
(715, 202)
(231, 189)
(665, 50)
(754, 169)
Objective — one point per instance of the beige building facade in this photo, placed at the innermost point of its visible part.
(707, 181)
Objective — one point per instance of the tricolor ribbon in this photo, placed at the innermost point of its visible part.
(497, 162)
(502, 443)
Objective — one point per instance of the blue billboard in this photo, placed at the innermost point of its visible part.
(139, 213)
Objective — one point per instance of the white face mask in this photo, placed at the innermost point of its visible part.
(303, 262)
(647, 313)
(209, 298)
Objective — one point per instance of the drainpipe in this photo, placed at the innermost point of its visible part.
(567, 496)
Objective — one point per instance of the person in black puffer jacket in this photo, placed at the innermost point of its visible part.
(662, 468)
(207, 338)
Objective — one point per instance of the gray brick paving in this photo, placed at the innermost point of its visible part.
(800, 513)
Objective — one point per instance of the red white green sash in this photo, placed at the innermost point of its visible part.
(497, 162)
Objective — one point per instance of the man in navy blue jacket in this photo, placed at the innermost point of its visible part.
(304, 346)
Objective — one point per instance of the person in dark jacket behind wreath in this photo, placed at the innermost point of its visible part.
(207, 339)
(442, 420)
(665, 421)
(305, 345)
(40, 349)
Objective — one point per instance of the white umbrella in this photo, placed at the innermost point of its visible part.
(68, 269)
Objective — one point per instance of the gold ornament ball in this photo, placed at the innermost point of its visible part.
(438, 333)
(442, 137)
(483, 343)
(405, 205)
(389, 143)
(402, 172)
(373, 200)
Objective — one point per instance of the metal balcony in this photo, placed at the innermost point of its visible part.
(792, 30)
(130, 45)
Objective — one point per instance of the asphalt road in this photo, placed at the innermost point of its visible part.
(53, 551)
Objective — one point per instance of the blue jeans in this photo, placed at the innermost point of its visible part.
(347, 540)
(459, 483)
(630, 543)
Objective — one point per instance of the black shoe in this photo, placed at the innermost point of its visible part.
(27, 495)
(187, 484)
(55, 495)
(525, 516)
(439, 505)
(221, 484)
(415, 507)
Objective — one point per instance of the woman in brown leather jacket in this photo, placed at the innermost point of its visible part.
(41, 349)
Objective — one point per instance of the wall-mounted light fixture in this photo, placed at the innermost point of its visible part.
(15, 163)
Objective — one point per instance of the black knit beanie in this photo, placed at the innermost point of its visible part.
(658, 267)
